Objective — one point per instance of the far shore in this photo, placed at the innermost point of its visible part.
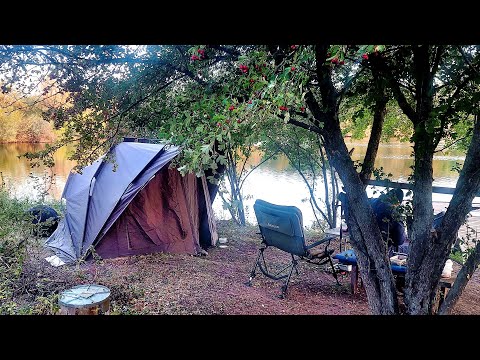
(25, 142)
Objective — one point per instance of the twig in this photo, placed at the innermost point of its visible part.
(256, 166)
(454, 142)
(467, 59)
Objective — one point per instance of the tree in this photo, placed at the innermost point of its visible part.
(433, 85)
(184, 94)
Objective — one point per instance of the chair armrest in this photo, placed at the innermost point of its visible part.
(319, 242)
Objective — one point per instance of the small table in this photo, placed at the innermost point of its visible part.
(343, 235)
(348, 257)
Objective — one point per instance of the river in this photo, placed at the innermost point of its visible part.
(273, 181)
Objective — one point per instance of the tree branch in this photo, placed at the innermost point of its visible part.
(467, 59)
(135, 104)
(469, 132)
(256, 166)
(397, 92)
(312, 128)
(436, 61)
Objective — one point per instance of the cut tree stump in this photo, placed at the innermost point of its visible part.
(89, 299)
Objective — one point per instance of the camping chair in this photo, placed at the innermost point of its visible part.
(282, 227)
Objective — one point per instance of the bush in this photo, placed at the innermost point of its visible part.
(27, 282)
(12, 248)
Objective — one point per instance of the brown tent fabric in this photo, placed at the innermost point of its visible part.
(163, 217)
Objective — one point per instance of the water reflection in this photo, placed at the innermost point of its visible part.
(27, 182)
(397, 159)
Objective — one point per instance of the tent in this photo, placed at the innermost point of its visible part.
(131, 202)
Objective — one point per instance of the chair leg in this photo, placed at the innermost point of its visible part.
(354, 279)
(293, 261)
(252, 273)
(334, 272)
(283, 295)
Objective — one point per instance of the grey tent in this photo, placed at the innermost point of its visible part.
(134, 205)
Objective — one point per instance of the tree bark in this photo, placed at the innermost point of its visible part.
(204, 229)
(331, 219)
(420, 285)
(461, 281)
(380, 110)
(419, 288)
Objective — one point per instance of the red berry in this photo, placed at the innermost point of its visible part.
(302, 109)
(365, 56)
(231, 108)
(243, 68)
(239, 121)
(335, 61)
(249, 101)
(219, 124)
(293, 68)
(283, 108)
(194, 57)
(201, 51)
(293, 47)
(342, 62)
(252, 81)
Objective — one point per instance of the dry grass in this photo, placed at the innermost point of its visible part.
(213, 284)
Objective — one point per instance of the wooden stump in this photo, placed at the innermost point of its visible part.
(90, 299)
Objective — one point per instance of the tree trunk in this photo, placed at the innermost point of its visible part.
(367, 241)
(467, 186)
(204, 229)
(419, 282)
(380, 110)
(236, 207)
(236, 191)
(461, 281)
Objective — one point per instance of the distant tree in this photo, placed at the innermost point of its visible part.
(185, 94)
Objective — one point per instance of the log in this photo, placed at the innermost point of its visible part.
(88, 299)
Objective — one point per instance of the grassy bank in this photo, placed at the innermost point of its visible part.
(144, 284)
(22, 290)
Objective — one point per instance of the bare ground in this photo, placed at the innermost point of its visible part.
(214, 284)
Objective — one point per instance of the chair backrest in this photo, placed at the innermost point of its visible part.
(281, 226)
(437, 219)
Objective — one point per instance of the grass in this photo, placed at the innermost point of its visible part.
(23, 290)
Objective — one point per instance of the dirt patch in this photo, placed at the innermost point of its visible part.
(215, 284)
